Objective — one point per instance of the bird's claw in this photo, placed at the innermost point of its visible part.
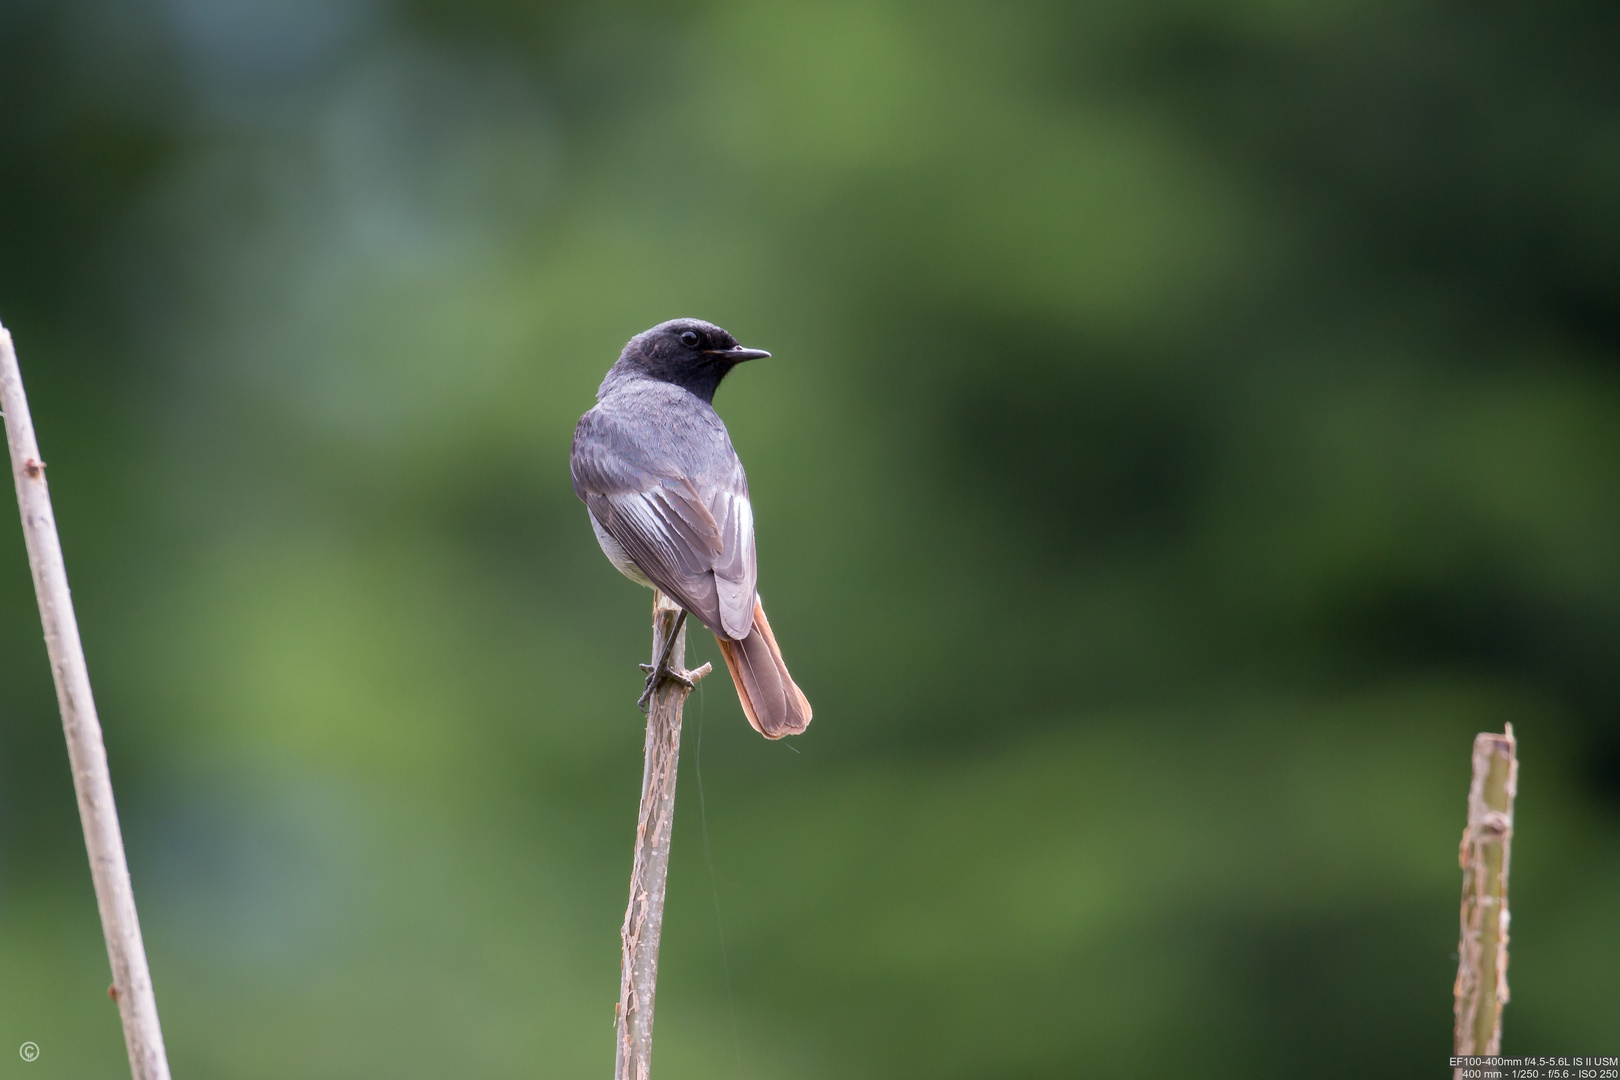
(669, 673)
(688, 679)
(657, 676)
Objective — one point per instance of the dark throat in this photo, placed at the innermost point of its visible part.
(701, 379)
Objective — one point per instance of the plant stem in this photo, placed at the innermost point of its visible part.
(132, 981)
(644, 918)
(1482, 953)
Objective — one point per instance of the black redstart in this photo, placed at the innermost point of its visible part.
(668, 500)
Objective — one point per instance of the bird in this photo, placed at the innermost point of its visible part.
(668, 501)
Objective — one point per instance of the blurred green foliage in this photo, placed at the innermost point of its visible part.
(1189, 424)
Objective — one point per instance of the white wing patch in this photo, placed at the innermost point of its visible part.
(736, 572)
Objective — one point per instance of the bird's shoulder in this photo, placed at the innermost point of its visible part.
(642, 431)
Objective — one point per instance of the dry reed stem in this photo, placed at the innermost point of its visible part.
(132, 981)
(1482, 953)
(644, 918)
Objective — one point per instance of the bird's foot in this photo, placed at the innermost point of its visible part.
(657, 675)
(654, 676)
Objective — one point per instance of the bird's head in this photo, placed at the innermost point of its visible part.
(687, 352)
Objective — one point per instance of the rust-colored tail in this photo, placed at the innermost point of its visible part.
(772, 703)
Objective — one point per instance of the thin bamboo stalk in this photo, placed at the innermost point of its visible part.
(115, 898)
(1482, 952)
(644, 917)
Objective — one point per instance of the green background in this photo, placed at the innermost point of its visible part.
(1189, 424)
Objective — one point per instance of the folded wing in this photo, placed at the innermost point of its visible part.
(698, 550)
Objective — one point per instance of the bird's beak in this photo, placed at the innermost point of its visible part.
(738, 354)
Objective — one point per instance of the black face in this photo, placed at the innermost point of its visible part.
(687, 352)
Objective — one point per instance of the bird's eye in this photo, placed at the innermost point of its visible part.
(689, 338)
